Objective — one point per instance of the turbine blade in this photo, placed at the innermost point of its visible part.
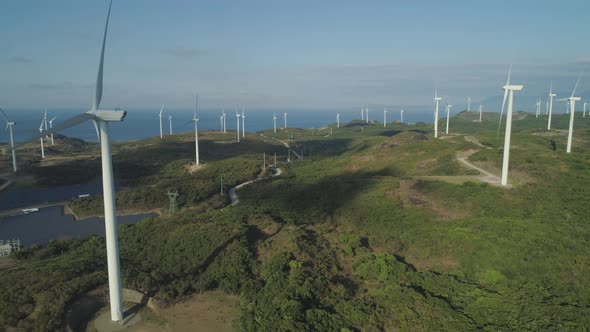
(72, 122)
(578, 82)
(161, 110)
(4, 115)
(98, 91)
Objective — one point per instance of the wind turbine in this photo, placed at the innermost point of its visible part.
(170, 122)
(41, 138)
(551, 95)
(45, 119)
(243, 121)
(480, 112)
(448, 117)
(384, 118)
(362, 114)
(285, 118)
(160, 116)
(437, 100)
(584, 111)
(9, 125)
(223, 116)
(401, 116)
(337, 120)
(238, 124)
(51, 127)
(572, 107)
(367, 115)
(468, 104)
(196, 122)
(101, 120)
(508, 92)
(274, 121)
(538, 112)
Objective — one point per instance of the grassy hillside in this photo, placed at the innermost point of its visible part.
(376, 229)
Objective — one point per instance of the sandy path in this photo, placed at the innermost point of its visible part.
(233, 196)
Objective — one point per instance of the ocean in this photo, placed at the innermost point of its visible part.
(144, 123)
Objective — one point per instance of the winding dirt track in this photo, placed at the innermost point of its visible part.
(233, 196)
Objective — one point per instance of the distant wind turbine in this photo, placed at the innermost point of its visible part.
(160, 116)
(437, 100)
(337, 120)
(101, 119)
(551, 95)
(237, 124)
(468, 104)
(401, 116)
(367, 115)
(41, 138)
(51, 127)
(363, 114)
(274, 122)
(448, 117)
(243, 121)
(384, 118)
(572, 107)
(195, 120)
(9, 125)
(285, 118)
(508, 92)
(538, 111)
(584, 111)
(480, 112)
(170, 122)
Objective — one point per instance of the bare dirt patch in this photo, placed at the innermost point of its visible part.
(208, 311)
(191, 168)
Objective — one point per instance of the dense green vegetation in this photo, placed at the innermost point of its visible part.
(377, 229)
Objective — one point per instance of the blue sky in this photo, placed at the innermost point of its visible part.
(286, 54)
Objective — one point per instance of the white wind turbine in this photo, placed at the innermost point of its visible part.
(243, 125)
(285, 118)
(9, 125)
(367, 115)
(572, 108)
(384, 118)
(274, 122)
(437, 100)
(584, 110)
(196, 122)
(448, 117)
(101, 120)
(337, 120)
(401, 116)
(224, 116)
(45, 119)
(551, 95)
(480, 112)
(538, 112)
(508, 92)
(160, 116)
(363, 114)
(51, 127)
(468, 104)
(41, 138)
(237, 124)
(170, 122)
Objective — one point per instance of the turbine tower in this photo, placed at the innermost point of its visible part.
(51, 127)
(223, 116)
(9, 125)
(243, 121)
(196, 122)
(274, 122)
(437, 100)
(384, 118)
(367, 115)
(401, 116)
(170, 122)
(448, 117)
(238, 124)
(538, 112)
(508, 92)
(480, 112)
(363, 114)
(101, 119)
(551, 95)
(572, 107)
(584, 110)
(285, 118)
(468, 104)
(160, 116)
(337, 120)
(41, 138)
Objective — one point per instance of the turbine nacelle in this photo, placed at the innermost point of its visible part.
(512, 87)
(109, 115)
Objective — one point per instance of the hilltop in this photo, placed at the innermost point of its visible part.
(375, 229)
